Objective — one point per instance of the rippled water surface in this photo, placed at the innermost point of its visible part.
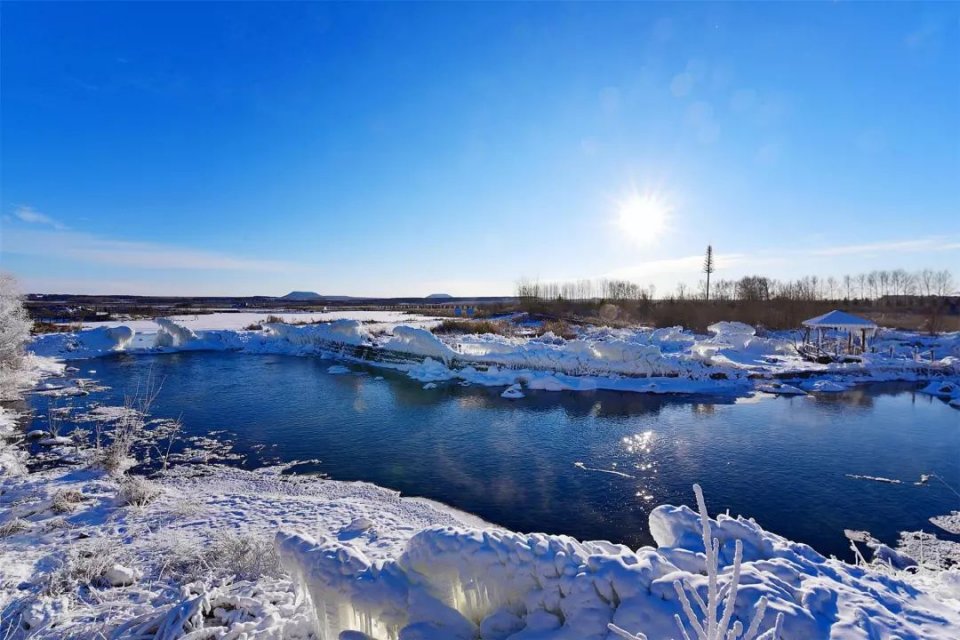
(591, 465)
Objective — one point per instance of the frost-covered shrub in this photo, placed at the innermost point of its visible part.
(137, 491)
(14, 333)
(81, 566)
(246, 557)
(236, 556)
(129, 430)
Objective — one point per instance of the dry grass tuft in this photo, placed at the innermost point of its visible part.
(64, 501)
(13, 527)
(460, 327)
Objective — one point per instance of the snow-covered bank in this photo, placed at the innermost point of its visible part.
(466, 584)
(64, 532)
(733, 359)
(79, 558)
(31, 370)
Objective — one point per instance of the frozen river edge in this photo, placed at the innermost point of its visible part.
(218, 552)
(223, 552)
(732, 360)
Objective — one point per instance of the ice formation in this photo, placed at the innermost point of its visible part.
(492, 584)
(338, 332)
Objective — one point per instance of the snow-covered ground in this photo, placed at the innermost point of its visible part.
(731, 359)
(221, 552)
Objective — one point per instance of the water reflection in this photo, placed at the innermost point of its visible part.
(590, 465)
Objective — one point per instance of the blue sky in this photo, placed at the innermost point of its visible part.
(405, 149)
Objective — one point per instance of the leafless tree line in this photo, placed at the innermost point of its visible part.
(863, 286)
(583, 290)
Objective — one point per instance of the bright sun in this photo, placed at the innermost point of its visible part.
(643, 218)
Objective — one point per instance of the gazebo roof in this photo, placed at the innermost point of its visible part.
(840, 320)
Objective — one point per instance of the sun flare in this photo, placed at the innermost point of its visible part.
(643, 217)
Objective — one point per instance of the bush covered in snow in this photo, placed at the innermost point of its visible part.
(14, 333)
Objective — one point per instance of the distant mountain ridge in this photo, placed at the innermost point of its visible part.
(434, 296)
(302, 295)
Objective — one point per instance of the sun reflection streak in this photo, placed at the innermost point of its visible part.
(641, 445)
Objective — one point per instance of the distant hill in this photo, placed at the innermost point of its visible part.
(302, 295)
(434, 296)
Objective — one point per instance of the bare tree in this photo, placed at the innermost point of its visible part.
(873, 284)
(927, 277)
(943, 283)
(832, 287)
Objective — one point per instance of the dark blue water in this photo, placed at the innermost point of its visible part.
(782, 461)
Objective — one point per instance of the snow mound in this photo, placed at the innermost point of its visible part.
(416, 341)
(942, 389)
(430, 371)
(492, 584)
(512, 392)
(731, 329)
(84, 344)
(350, 332)
(172, 334)
(781, 389)
(826, 386)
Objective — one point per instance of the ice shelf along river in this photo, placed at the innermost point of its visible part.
(589, 464)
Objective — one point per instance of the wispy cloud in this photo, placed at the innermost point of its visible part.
(692, 265)
(32, 216)
(89, 248)
(901, 246)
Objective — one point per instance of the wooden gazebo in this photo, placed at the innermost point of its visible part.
(840, 321)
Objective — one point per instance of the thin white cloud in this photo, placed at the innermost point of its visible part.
(32, 216)
(901, 246)
(91, 249)
(692, 265)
